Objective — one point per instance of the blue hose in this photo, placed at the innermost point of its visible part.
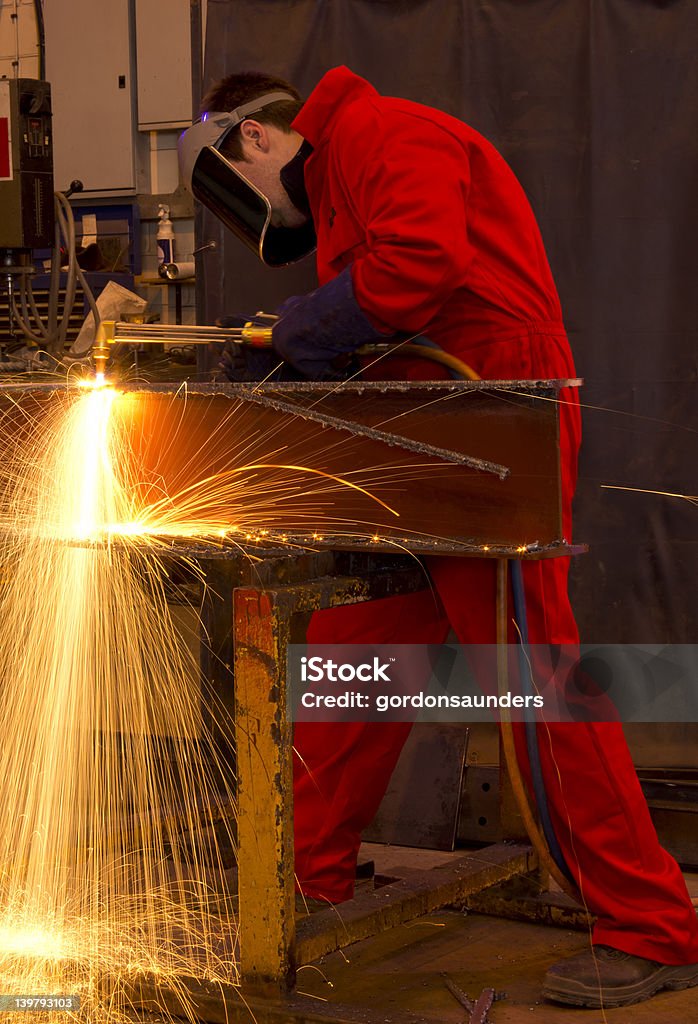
(530, 720)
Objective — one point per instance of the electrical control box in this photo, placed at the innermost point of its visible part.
(26, 164)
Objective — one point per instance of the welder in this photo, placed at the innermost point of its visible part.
(422, 229)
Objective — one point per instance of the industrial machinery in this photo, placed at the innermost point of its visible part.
(26, 169)
(34, 218)
(26, 177)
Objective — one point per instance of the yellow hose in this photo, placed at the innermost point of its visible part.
(538, 840)
(436, 355)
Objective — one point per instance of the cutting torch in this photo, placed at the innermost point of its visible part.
(256, 332)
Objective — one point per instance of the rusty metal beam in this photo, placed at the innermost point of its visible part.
(309, 412)
(262, 623)
(265, 788)
(523, 899)
(415, 894)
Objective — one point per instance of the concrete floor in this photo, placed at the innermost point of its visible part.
(401, 970)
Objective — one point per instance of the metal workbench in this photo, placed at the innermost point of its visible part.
(490, 452)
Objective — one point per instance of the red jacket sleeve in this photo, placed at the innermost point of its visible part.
(408, 182)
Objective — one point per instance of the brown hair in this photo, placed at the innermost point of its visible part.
(234, 90)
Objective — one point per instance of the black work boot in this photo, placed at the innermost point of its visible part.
(608, 977)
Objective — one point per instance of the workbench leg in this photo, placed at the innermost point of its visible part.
(265, 794)
(266, 880)
(512, 826)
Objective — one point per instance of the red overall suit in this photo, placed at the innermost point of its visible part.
(442, 241)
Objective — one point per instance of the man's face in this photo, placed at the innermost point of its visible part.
(267, 149)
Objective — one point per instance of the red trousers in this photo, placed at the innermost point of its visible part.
(597, 807)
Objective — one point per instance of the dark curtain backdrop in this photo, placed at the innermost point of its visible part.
(594, 103)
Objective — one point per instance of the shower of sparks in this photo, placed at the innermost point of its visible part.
(109, 783)
(111, 869)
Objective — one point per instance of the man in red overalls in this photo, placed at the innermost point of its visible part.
(422, 228)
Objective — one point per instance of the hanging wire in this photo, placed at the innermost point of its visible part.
(51, 335)
(41, 37)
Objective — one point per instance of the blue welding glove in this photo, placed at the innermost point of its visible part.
(316, 332)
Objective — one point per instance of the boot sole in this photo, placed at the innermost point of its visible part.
(674, 978)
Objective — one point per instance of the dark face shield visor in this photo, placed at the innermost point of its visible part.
(246, 211)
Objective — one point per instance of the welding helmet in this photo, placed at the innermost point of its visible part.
(221, 187)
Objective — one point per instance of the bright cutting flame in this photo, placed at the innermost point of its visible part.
(31, 942)
(94, 489)
(95, 382)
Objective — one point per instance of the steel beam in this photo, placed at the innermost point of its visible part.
(262, 624)
(470, 468)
